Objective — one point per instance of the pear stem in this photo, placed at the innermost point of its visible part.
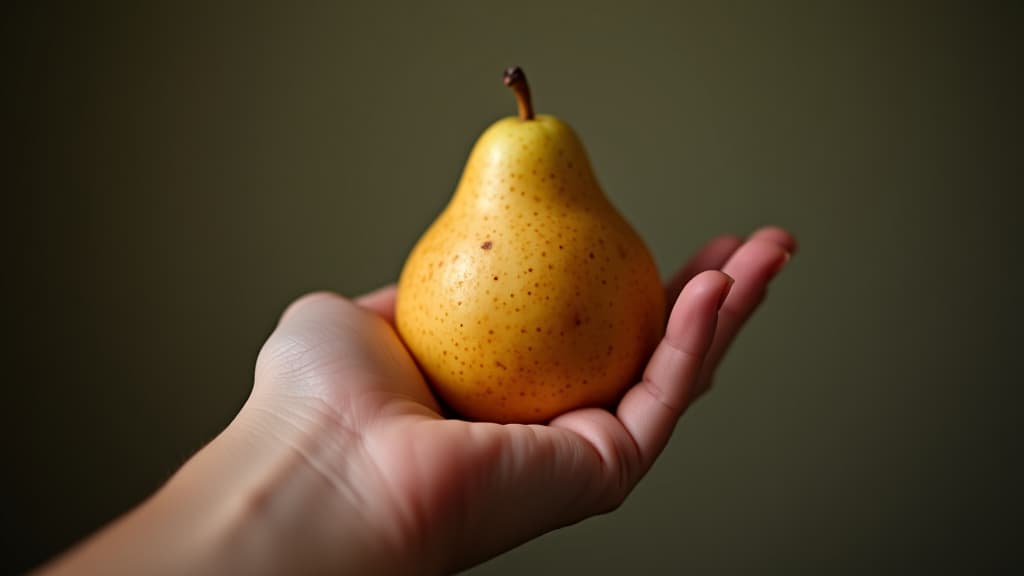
(515, 79)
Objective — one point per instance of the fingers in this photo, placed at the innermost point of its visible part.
(752, 266)
(777, 235)
(712, 256)
(650, 409)
(381, 301)
(716, 252)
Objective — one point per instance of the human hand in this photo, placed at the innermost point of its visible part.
(438, 494)
(341, 461)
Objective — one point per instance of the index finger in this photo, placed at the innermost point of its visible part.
(651, 408)
(381, 302)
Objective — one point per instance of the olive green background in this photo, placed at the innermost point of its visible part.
(181, 172)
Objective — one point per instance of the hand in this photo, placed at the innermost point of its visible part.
(341, 462)
(456, 492)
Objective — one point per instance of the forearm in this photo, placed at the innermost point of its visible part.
(236, 507)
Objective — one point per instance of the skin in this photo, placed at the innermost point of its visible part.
(340, 461)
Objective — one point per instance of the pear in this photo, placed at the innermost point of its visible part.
(530, 295)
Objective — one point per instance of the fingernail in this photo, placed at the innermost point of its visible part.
(726, 289)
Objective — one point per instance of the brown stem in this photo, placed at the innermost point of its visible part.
(515, 79)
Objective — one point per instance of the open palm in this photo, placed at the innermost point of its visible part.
(457, 492)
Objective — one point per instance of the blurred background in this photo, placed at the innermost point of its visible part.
(180, 172)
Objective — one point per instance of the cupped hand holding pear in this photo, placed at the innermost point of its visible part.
(530, 295)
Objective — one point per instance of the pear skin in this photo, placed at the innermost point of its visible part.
(530, 295)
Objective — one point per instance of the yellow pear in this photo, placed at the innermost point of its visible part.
(530, 295)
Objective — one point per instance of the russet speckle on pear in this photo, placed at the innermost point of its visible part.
(530, 295)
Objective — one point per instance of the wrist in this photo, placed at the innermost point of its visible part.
(255, 500)
(269, 495)
(281, 497)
